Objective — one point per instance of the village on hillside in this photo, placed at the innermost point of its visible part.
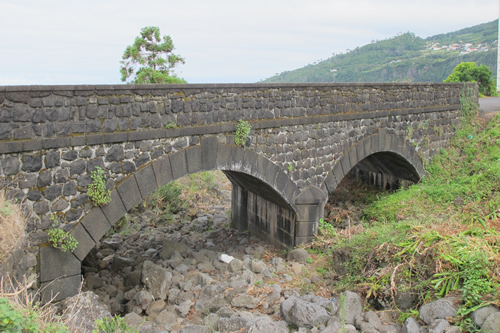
(464, 48)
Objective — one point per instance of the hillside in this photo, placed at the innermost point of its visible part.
(404, 58)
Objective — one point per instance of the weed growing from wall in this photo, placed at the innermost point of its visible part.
(60, 239)
(97, 191)
(242, 130)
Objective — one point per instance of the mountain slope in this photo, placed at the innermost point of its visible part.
(404, 58)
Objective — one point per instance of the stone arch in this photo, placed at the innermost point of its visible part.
(388, 153)
(60, 272)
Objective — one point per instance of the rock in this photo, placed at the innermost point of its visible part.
(352, 305)
(492, 323)
(299, 255)
(157, 279)
(155, 307)
(440, 309)
(439, 326)
(480, 315)
(194, 329)
(232, 324)
(183, 308)
(169, 247)
(166, 319)
(83, 310)
(236, 265)
(303, 314)
(211, 298)
(333, 326)
(143, 299)
(245, 301)
(257, 266)
(265, 325)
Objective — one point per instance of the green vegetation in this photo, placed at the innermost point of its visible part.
(471, 72)
(435, 238)
(242, 130)
(166, 202)
(59, 238)
(97, 190)
(113, 325)
(403, 58)
(150, 59)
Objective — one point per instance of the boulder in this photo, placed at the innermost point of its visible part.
(169, 247)
(211, 298)
(492, 323)
(265, 325)
(440, 309)
(303, 314)
(299, 255)
(157, 279)
(353, 306)
(480, 315)
(83, 310)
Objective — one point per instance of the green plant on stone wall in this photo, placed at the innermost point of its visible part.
(60, 239)
(97, 190)
(242, 130)
(468, 105)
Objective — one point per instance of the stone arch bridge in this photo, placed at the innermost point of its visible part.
(305, 138)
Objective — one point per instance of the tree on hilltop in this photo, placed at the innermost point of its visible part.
(471, 72)
(150, 59)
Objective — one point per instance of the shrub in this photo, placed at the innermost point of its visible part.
(113, 325)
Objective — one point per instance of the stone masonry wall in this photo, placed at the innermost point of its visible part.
(52, 137)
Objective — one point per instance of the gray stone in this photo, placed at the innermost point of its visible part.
(169, 247)
(353, 305)
(32, 163)
(303, 314)
(166, 319)
(492, 323)
(299, 255)
(245, 301)
(257, 266)
(265, 325)
(194, 329)
(480, 315)
(83, 310)
(211, 298)
(440, 309)
(233, 324)
(410, 326)
(10, 165)
(439, 326)
(157, 279)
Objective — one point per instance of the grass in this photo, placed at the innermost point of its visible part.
(435, 238)
(13, 225)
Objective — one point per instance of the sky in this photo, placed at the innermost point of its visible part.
(223, 41)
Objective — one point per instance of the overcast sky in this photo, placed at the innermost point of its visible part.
(223, 41)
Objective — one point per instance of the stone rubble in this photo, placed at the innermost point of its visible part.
(169, 278)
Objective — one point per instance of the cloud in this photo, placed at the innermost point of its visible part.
(57, 41)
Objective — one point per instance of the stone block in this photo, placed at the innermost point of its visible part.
(162, 170)
(223, 157)
(178, 164)
(146, 180)
(309, 213)
(209, 153)
(85, 241)
(330, 182)
(353, 155)
(367, 143)
(345, 163)
(311, 196)
(129, 192)
(54, 263)
(194, 160)
(115, 209)
(60, 289)
(306, 229)
(96, 223)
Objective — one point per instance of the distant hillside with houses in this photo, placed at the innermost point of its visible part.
(404, 58)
